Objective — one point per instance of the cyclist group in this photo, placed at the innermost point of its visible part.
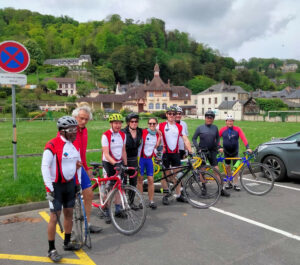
(65, 170)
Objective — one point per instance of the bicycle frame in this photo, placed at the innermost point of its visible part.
(118, 185)
(244, 161)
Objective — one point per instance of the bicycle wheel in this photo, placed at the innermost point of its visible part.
(215, 172)
(126, 220)
(202, 190)
(257, 179)
(82, 232)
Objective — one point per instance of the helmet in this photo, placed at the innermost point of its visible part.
(171, 108)
(178, 109)
(229, 117)
(210, 113)
(115, 117)
(66, 122)
(132, 116)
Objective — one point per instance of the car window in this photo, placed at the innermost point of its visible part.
(293, 137)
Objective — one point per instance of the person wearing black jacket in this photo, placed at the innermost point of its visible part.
(133, 141)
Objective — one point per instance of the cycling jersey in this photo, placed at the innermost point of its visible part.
(170, 136)
(231, 137)
(184, 132)
(209, 137)
(149, 142)
(59, 162)
(115, 143)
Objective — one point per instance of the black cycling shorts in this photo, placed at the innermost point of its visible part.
(230, 154)
(182, 154)
(109, 171)
(64, 195)
(171, 160)
(212, 158)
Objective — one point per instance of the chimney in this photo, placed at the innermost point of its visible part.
(156, 70)
(168, 83)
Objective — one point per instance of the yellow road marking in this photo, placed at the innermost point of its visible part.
(84, 259)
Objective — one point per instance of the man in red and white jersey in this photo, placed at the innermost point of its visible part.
(171, 132)
(61, 163)
(113, 152)
(82, 115)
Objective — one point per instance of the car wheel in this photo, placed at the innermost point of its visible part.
(278, 167)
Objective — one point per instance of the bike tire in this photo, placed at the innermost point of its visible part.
(215, 172)
(82, 232)
(257, 179)
(199, 195)
(132, 220)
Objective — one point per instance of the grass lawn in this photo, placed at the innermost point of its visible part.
(32, 137)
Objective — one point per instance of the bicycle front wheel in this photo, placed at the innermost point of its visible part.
(257, 179)
(81, 228)
(127, 210)
(202, 190)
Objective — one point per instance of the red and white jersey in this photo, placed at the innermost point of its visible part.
(114, 142)
(149, 142)
(170, 135)
(59, 162)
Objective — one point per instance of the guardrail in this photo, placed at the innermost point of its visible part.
(36, 155)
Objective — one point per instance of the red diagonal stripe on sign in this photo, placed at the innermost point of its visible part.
(12, 57)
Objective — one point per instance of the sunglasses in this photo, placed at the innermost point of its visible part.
(150, 123)
(71, 130)
(209, 117)
(178, 113)
(134, 121)
(171, 113)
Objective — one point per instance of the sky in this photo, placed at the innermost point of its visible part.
(238, 28)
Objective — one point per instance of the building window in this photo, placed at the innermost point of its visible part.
(202, 111)
(203, 101)
(71, 85)
(60, 85)
(164, 106)
(175, 95)
(196, 101)
(226, 98)
(185, 102)
(216, 100)
(233, 98)
(71, 92)
(150, 105)
(151, 94)
(66, 86)
(157, 106)
(164, 94)
(186, 94)
(209, 100)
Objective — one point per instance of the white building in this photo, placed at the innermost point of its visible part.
(71, 63)
(219, 95)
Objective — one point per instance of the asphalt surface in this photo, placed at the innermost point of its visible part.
(243, 229)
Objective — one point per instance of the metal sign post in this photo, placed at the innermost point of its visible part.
(14, 58)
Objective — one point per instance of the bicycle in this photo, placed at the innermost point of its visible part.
(132, 219)
(201, 188)
(81, 227)
(256, 178)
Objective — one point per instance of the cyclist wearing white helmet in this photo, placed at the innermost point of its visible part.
(184, 130)
(60, 165)
(231, 135)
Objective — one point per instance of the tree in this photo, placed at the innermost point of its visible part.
(105, 75)
(226, 76)
(200, 83)
(210, 70)
(52, 85)
(290, 80)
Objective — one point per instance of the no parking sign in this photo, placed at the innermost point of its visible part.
(14, 57)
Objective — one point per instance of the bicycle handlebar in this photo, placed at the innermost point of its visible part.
(121, 169)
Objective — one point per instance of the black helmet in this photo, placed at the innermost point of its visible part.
(131, 116)
(66, 122)
(210, 113)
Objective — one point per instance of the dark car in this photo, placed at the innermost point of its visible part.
(282, 155)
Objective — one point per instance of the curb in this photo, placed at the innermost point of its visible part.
(23, 207)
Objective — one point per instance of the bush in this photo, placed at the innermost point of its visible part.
(125, 112)
(270, 104)
(160, 114)
(3, 94)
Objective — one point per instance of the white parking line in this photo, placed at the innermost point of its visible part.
(277, 185)
(250, 221)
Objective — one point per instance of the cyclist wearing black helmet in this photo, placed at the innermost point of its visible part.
(133, 141)
(209, 139)
(60, 165)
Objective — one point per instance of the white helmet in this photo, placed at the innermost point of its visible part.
(178, 109)
(66, 122)
(229, 117)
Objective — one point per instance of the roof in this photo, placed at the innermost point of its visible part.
(183, 93)
(291, 104)
(226, 104)
(284, 93)
(61, 79)
(294, 95)
(223, 87)
(104, 98)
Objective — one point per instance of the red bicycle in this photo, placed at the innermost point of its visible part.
(127, 218)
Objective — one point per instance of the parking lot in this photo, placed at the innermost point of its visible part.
(242, 229)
